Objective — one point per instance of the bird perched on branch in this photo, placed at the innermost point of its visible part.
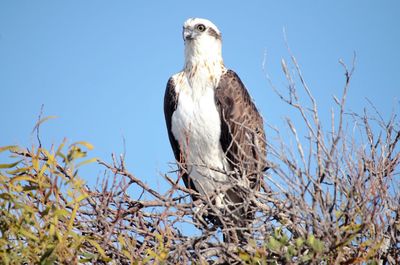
(214, 128)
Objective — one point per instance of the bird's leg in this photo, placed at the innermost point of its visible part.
(219, 201)
(199, 211)
(199, 207)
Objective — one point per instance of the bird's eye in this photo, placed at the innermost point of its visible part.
(201, 27)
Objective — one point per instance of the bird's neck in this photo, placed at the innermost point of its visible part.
(204, 61)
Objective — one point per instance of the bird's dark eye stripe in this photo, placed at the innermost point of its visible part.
(201, 27)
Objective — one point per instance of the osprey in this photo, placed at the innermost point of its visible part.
(214, 127)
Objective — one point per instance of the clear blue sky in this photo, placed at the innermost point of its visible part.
(102, 66)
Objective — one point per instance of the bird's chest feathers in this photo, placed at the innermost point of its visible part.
(196, 125)
(196, 122)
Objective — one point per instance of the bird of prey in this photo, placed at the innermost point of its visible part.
(214, 127)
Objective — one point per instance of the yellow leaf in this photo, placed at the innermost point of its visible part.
(75, 152)
(82, 197)
(72, 218)
(127, 253)
(18, 188)
(10, 165)
(121, 240)
(35, 162)
(52, 230)
(28, 234)
(58, 152)
(99, 249)
(60, 212)
(42, 170)
(70, 194)
(64, 157)
(18, 170)
(85, 144)
(151, 253)
(78, 183)
(42, 121)
(8, 147)
(22, 178)
(244, 256)
(163, 256)
(50, 157)
(87, 162)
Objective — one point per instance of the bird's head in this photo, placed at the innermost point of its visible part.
(200, 30)
(202, 39)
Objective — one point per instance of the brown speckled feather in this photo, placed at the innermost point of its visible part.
(242, 129)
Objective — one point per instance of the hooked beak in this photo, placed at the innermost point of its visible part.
(187, 34)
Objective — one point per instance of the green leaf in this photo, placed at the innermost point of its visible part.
(277, 232)
(273, 244)
(48, 258)
(30, 187)
(291, 251)
(284, 239)
(315, 244)
(299, 242)
(306, 258)
(86, 257)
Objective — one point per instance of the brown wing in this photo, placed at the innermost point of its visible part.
(242, 129)
(170, 104)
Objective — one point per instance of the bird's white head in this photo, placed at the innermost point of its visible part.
(203, 43)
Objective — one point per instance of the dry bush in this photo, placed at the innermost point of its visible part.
(328, 197)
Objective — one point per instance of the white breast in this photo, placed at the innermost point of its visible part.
(196, 125)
